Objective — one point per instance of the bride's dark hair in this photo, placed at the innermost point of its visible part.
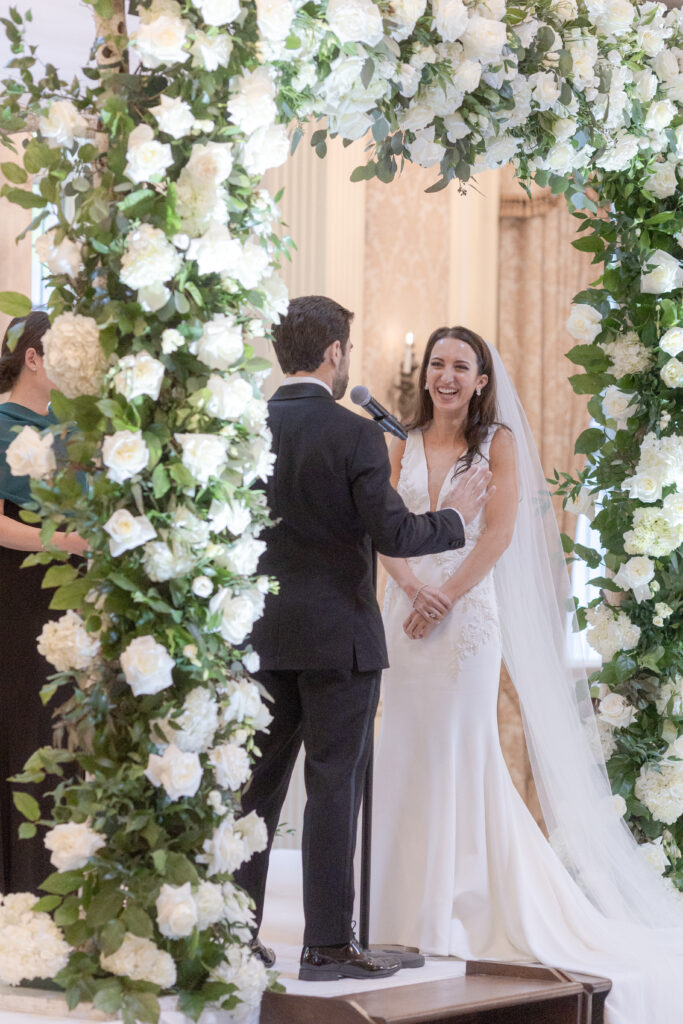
(482, 411)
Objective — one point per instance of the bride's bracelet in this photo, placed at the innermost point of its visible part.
(417, 593)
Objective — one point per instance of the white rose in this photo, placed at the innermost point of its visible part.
(672, 507)
(546, 91)
(617, 711)
(202, 586)
(635, 574)
(242, 557)
(408, 80)
(468, 76)
(584, 323)
(147, 666)
(665, 65)
(662, 182)
(664, 275)
(178, 772)
(646, 85)
(672, 373)
(210, 163)
(619, 155)
(140, 960)
(251, 662)
(231, 515)
(211, 52)
(619, 804)
(584, 504)
(161, 41)
(125, 454)
(253, 828)
(216, 252)
(611, 17)
(229, 396)
(672, 341)
(210, 904)
(277, 297)
(153, 296)
(254, 263)
(655, 855)
(225, 851)
(230, 764)
(660, 115)
(220, 345)
(484, 39)
(355, 21)
(73, 357)
(243, 970)
(205, 455)
(450, 18)
(177, 912)
(416, 116)
(66, 644)
(62, 258)
(252, 105)
(127, 531)
(29, 454)
(255, 416)
(149, 258)
(194, 728)
(644, 486)
(352, 125)
(238, 614)
(245, 700)
(147, 158)
(274, 19)
(139, 374)
(619, 405)
(266, 148)
(174, 116)
(171, 341)
(404, 15)
(218, 12)
(424, 150)
(166, 560)
(62, 124)
(72, 845)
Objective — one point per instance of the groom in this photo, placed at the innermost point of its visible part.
(321, 640)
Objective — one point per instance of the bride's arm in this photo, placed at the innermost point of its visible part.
(423, 597)
(500, 514)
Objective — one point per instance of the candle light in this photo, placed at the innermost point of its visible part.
(408, 353)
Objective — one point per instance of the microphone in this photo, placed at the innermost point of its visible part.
(361, 396)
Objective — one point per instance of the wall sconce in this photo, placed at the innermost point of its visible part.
(406, 387)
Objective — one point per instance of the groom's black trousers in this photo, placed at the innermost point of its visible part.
(332, 711)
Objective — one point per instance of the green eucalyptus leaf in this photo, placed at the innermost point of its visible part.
(14, 173)
(63, 882)
(14, 304)
(26, 805)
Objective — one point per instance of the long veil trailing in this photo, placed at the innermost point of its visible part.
(532, 587)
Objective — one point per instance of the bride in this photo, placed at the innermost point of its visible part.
(460, 867)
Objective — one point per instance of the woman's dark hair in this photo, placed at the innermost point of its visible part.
(23, 333)
(312, 324)
(481, 414)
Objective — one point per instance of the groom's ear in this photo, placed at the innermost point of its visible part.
(333, 353)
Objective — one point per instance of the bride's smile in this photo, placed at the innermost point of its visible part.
(451, 377)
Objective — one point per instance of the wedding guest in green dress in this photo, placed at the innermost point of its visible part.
(25, 724)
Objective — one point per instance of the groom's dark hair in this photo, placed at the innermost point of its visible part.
(312, 324)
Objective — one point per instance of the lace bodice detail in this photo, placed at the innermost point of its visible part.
(474, 618)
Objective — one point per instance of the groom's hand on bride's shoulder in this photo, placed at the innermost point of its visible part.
(471, 492)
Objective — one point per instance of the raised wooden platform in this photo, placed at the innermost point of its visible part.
(489, 993)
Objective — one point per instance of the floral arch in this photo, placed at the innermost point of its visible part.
(164, 273)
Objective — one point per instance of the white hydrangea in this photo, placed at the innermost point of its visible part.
(31, 944)
(660, 788)
(73, 358)
(610, 631)
(65, 643)
(654, 534)
(141, 960)
(628, 355)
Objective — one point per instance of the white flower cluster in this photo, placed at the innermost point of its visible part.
(73, 357)
(232, 843)
(31, 944)
(610, 631)
(141, 960)
(660, 786)
(628, 355)
(246, 972)
(657, 531)
(182, 908)
(72, 844)
(616, 711)
(65, 643)
(192, 730)
(31, 455)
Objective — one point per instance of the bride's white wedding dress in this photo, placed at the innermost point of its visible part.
(459, 865)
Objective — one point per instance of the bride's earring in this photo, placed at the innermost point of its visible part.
(426, 387)
(478, 391)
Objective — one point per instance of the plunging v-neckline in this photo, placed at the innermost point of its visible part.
(443, 482)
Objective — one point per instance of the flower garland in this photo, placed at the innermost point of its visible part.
(162, 277)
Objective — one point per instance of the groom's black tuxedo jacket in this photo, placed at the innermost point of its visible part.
(331, 495)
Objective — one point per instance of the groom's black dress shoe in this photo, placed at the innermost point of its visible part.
(264, 953)
(327, 963)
